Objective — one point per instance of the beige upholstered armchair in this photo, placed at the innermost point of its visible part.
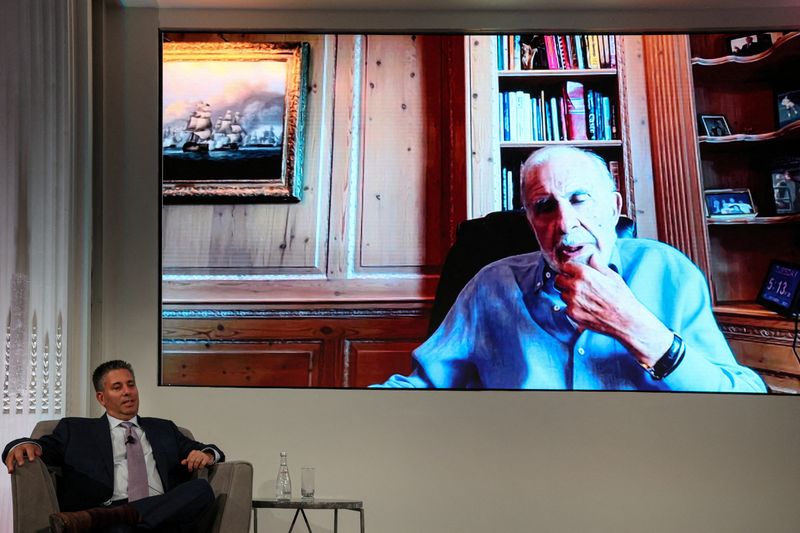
(34, 495)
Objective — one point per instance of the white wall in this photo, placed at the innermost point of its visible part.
(428, 461)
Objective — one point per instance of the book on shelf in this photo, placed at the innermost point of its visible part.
(506, 118)
(607, 118)
(579, 55)
(576, 111)
(507, 189)
(510, 190)
(563, 52)
(530, 51)
(591, 117)
(570, 112)
(603, 45)
(562, 118)
(613, 169)
(503, 190)
(612, 50)
(594, 55)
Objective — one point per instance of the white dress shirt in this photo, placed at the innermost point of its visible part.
(121, 460)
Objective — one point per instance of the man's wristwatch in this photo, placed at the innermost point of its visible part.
(669, 361)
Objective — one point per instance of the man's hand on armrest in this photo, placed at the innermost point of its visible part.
(18, 453)
(199, 459)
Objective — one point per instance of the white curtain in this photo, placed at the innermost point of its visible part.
(43, 211)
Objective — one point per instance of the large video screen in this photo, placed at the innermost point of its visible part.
(468, 212)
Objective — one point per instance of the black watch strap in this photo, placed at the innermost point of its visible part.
(670, 360)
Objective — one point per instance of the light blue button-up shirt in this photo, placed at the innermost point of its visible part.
(509, 329)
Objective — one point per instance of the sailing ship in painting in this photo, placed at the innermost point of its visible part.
(197, 146)
(199, 129)
(226, 134)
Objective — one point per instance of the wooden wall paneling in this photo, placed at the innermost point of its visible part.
(290, 291)
(402, 146)
(265, 238)
(346, 162)
(265, 364)
(763, 341)
(414, 175)
(775, 358)
(484, 194)
(677, 181)
(343, 347)
(368, 363)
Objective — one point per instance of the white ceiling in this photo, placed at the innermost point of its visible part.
(467, 5)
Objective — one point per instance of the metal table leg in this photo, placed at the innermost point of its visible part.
(297, 512)
(361, 512)
(336, 521)
(305, 519)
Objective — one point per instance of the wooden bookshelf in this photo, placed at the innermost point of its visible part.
(744, 90)
(495, 153)
(691, 76)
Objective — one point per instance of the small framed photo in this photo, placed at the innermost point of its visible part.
(729, 203)
(748, 45)
(714, 126)
(786, 190)
(788, 105)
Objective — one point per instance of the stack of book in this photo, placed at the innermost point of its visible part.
(572, 113)
(555, 52)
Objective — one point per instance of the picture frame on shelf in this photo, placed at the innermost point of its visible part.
(788, 107)
(714, 126)
(786, 189)
(748, 45)
(729, 203)
(232, 119)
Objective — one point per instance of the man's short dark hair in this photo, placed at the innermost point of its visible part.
(100, 372)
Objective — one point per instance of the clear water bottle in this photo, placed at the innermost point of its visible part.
(283, 483)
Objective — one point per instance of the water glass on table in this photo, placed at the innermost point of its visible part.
(307, 483)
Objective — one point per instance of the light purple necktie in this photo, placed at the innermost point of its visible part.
(137, 472)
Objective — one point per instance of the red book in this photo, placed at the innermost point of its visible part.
(563, 59)
(576, 111)
(552, 52)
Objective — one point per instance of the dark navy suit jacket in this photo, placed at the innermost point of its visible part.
(81, 447)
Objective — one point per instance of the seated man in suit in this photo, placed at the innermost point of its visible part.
(121, 470)
(587, 311)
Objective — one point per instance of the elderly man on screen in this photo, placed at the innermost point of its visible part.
(588, 311)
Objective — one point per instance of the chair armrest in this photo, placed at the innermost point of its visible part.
(232, 483)
(34, 497)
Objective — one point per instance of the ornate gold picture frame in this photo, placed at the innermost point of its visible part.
(232, 118)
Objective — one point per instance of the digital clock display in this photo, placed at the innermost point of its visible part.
(780, 288)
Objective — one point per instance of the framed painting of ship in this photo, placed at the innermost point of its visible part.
(232, 118)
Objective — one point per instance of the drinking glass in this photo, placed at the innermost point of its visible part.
(307, 482)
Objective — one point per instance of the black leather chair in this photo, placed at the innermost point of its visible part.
(482, 241)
